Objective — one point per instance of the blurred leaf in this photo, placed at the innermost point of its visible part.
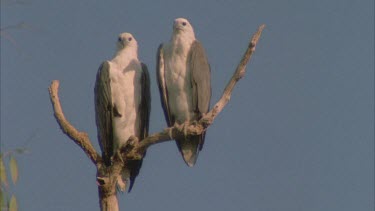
(13, 204)
(13, 169)
(21, 150)
(2, 200)
(3, 175)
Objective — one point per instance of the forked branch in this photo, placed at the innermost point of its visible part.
(199, 127)
(107, 175)
(167, 134)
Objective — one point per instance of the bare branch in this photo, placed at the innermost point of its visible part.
(197, 128)
(80, 138)
(167, 134)
(240, 72)
(107, 176)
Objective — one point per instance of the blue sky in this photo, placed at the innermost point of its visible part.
(297, 134)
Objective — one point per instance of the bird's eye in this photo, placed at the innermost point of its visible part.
(184, 23)
(119, 39)
(130, 39)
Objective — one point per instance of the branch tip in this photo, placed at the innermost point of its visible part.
(136, 149)
(80, 138)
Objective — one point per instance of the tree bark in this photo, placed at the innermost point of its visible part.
(108, 176)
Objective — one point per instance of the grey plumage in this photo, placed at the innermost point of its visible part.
(122, 104)
(198, 91)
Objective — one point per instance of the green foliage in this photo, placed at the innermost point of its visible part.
(3, 175)
(13, 204)
(13, 169)
(9, 158)
(21, 150)
(2, 199)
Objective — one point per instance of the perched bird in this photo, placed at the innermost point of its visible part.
(122, 104)
(183, 75)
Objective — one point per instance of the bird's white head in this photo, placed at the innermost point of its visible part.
(183, 26)
(126, 40)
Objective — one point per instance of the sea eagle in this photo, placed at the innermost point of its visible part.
(122, 104)
(183, 76)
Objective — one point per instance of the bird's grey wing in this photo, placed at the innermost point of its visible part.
(145, 106)
(200, 81)
(104, 111)
(201, 77)
(160, 75)
(144, 111)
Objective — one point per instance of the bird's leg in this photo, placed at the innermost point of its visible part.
(195, 123)
(118, 154)
(127, 147)
(170, 131)
(186, 123)
(205, 120)
(132, 141)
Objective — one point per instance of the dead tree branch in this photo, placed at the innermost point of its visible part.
(107, 175)
(198, 128)
(80, 138)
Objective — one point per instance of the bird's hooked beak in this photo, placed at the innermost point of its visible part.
(177, 26)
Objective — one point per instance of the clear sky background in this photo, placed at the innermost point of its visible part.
(298, 133)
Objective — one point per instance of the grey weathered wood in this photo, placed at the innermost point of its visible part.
(107, 175)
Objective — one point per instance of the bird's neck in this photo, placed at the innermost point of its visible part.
(123, 56)
(180, 41)
(178, 36)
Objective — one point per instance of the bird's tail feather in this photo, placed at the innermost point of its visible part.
(189, 149)
(134, 166)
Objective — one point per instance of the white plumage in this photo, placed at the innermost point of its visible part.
(184, 84)
(122, 104)
(125, 73)
(177, 76)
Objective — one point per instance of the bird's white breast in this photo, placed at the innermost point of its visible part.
(126, 97)
(178, 80)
